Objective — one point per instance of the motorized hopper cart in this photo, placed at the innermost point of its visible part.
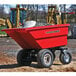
(40, 43)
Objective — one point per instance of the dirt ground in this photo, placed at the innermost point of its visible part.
(8, 52)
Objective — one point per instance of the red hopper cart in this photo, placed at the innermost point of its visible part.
(40, 43)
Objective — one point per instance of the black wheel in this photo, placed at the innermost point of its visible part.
(54, 56)
(45, 58)
(24, 58)
(65, 58)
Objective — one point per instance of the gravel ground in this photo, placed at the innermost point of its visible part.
(8, 52)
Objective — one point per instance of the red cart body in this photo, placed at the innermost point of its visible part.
(40, 37)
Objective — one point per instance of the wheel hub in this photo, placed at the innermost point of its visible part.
(66, 58)
(47, 59)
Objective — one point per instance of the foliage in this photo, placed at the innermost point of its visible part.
(2, 27)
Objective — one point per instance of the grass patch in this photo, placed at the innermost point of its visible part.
(2, 32)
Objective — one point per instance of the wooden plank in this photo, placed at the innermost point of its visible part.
(18, 16)
(9, 23)
(59, 19)
(2, 21)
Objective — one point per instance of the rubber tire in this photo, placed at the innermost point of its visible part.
(62, 60)
(22, 58)
(40, 58)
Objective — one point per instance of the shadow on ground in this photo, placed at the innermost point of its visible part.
(9, 66)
